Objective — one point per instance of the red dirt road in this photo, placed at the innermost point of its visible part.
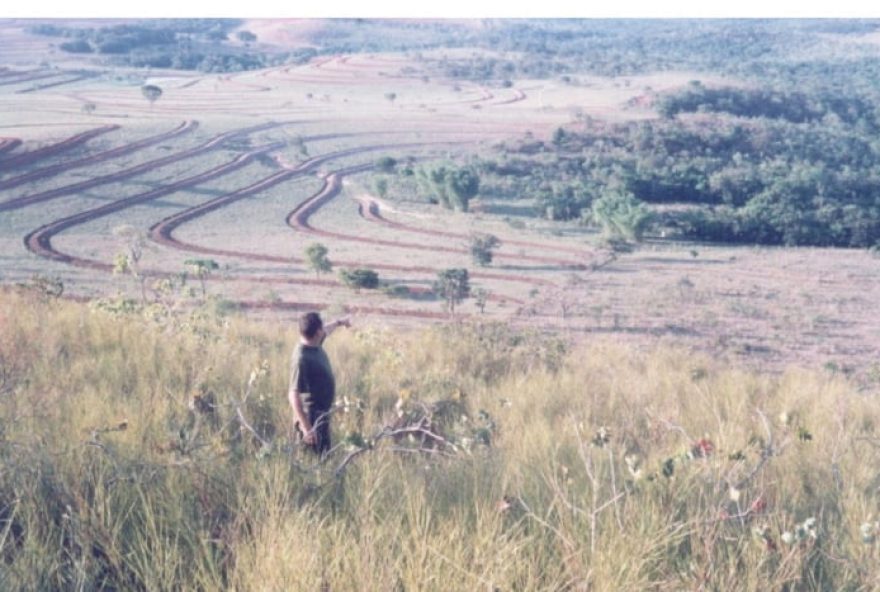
(56, 148)
(185, 127)
(212, 144)
(39, 241)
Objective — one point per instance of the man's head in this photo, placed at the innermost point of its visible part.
(310, 324)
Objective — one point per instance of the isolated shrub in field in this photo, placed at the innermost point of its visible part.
(386, 164)
(380, 186)
(202, 269)
(151, 92)
(359, 278)
(316, 255)
(397, 291)
(453, 286)
(482, 247)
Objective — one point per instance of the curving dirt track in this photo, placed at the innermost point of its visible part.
(185, 127)
(518, 95)
(56, 148)
(31, 78)
(9, 144)
(246, 85)
(53, 84)
(39, 241)
(162, 232)
(211, 144)
(299, 219)
(370, 210)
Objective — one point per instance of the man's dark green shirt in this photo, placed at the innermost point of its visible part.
(312, 376)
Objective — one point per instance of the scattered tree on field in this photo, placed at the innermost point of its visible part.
(89, 108)
(359, 278)
(481, 297)
(380, 186)
(453, 285)
(151, 92)
(128, 261)
(246, 36)
(558, 137)
(391, 97)
(482, 248)
(386, 164)
(300, 144)
(316, 254)
(201, 268)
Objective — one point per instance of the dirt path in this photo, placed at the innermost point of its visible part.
(185, 127)
(298, 219)
(370, 210)
(212, 144)
(56, 148)
(163, 231)
(9, 144)
(38, 87)
(39, 241)
(30, 78)
(518, 95)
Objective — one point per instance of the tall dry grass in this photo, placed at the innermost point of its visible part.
(145, 455)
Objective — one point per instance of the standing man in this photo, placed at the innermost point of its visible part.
(312, 385)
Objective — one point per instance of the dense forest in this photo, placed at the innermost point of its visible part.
(182, 44)
(784, 51)
(816, 52)
(724, 164)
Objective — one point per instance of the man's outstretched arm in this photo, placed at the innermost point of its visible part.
(333, 325)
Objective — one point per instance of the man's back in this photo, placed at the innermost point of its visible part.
(312, 376)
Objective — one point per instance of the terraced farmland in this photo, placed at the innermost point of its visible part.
(199, 170)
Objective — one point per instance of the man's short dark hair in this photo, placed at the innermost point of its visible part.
(309, 324)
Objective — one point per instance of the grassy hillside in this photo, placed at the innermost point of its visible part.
(153, 452)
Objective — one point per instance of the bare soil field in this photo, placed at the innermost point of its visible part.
(249, 169)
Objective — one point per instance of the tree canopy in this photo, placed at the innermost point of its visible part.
(453, 285)
(316, 255)
(151, 92)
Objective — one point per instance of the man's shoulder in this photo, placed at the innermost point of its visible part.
(303, 351)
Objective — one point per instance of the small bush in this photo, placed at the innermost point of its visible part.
(359, 278)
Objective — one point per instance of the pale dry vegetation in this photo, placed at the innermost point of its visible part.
(154, 452)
